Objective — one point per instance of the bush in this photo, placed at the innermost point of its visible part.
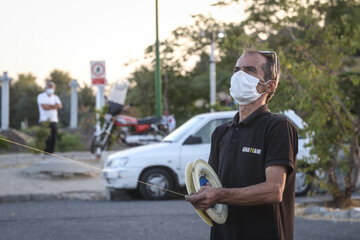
(3, 144)
(40, 135)
(67, 142)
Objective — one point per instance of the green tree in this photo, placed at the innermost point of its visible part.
(142, 94)
(86, 108)
(23, 101)
(87, 98)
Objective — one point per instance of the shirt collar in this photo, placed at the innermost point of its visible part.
(258, 112)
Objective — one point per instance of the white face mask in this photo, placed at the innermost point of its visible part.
(50, 91)
(243, 88)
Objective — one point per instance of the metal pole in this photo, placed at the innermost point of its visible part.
(212, 73)
(99, 105)
(73, 104)
(5, 101)
(158, 84)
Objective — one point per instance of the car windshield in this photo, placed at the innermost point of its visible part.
(182, 130)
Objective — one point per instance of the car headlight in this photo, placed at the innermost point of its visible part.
(118, 162)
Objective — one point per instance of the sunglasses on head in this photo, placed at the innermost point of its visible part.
(274, 56)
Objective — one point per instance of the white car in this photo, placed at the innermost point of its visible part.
(163, 164)
(301, 186)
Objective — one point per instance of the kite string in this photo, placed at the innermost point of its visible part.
(88, 165)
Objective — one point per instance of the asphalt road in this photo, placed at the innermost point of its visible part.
(174, 219)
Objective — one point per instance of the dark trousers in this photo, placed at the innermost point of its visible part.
(50, 142)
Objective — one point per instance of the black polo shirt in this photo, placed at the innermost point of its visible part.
(240, 153)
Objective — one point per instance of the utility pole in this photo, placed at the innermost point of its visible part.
(213, 36)
(158, 84)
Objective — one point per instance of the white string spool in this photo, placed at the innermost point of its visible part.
(194, 173)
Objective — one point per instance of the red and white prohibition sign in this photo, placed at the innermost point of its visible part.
(98, 72)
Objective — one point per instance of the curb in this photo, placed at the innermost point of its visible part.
(353, 213)
(324, 213)
(82, 195)
(310, 207)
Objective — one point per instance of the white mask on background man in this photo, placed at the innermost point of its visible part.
(243, 88)
(50, 91)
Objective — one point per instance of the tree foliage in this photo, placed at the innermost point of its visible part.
(23, 102)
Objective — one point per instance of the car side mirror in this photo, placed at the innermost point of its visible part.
(193, 140)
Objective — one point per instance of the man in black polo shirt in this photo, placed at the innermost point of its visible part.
(254, 156)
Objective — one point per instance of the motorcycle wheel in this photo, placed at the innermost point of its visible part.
(94, 143)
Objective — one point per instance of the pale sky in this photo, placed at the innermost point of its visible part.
(39, 36)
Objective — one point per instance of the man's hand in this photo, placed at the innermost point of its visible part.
(58, 106)
(204, 199)
(268, 192)
(51, 107)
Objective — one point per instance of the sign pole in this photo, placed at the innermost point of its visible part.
(99, 94)
(98, 107)
(98, 80)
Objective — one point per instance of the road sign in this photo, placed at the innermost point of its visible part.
(98, 72)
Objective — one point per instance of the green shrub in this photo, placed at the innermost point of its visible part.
(67, 142)
(3, 144)
(40, 135)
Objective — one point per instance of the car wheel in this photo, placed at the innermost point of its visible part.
(301, 187)
(158, 177)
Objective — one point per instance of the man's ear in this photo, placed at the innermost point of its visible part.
(270, 86)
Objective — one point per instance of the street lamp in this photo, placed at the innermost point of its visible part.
(213, 36)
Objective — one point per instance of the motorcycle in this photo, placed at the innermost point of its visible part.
(129, 131)
(140, 131)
